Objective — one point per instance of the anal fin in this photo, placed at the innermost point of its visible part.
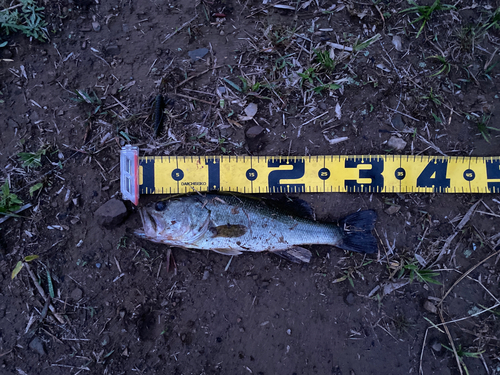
(227, 251)
(295, 254)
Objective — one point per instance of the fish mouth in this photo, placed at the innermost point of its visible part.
(148, 223)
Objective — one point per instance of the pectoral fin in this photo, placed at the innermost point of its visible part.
(295, 254)
(229, 231)
(227, 251)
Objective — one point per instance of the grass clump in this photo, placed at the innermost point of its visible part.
(424, 12)
(32, 160)
(9, 202)
(29, 20)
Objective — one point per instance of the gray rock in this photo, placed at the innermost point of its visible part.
(430, 307)
(436, 345)
(12, 124)
(396, 143)
(37, 346)
(397, 122)
(112, 50)
(105, 340)
(396, 41)
(111, 213)
(349, 298)
(254, 131)
(96, 26)
(391, 210)
(7, 53)
(197, 54)
(76, 294)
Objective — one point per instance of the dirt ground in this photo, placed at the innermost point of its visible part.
(77, 98)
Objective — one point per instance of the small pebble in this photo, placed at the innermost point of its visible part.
(37, 346)
(430, 307)
(105, 340)
(96, 26)
(197, 54)
(391, 210)
(349, 298)
(112, 50)
(436, 345)
(251, 110)
(396, 143)
(7, 54)
(396, 41)
(111, 213)
(76, 294)
(397, 122)
(254, 131)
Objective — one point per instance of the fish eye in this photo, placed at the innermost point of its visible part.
(160, 206)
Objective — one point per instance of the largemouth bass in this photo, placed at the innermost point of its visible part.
(230, 225)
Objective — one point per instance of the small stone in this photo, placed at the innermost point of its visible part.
(60, 112)
(391, 210)
(37, 346)
(197, 54)
(205, 275)
(396, 143)
(430, 307)
(96, 26)
(76, 294)
(122, 313)
(111, 213)
(251, 110)
(7, 54)
(436, 345)
(125, 28)
(396, 41)
(397, 122)
(12, 124)
(84, 44)
(288, 331)
(349, 298)
(105, 340)
(254, 131)
(112, 50)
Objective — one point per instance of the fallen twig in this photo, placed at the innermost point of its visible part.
(192, 98)
(179, 28)
(42, 293)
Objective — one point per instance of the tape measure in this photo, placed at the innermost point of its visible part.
(307, 174)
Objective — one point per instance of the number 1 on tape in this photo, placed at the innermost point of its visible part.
(297, 174)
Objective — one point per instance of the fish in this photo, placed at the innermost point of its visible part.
(232, 224)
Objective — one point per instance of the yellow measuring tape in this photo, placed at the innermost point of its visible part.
(308, 174)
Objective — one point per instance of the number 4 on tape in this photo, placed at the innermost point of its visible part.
(306, 174)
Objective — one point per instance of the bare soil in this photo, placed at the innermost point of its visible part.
(123, 312)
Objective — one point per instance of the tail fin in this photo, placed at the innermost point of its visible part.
(356, 232)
